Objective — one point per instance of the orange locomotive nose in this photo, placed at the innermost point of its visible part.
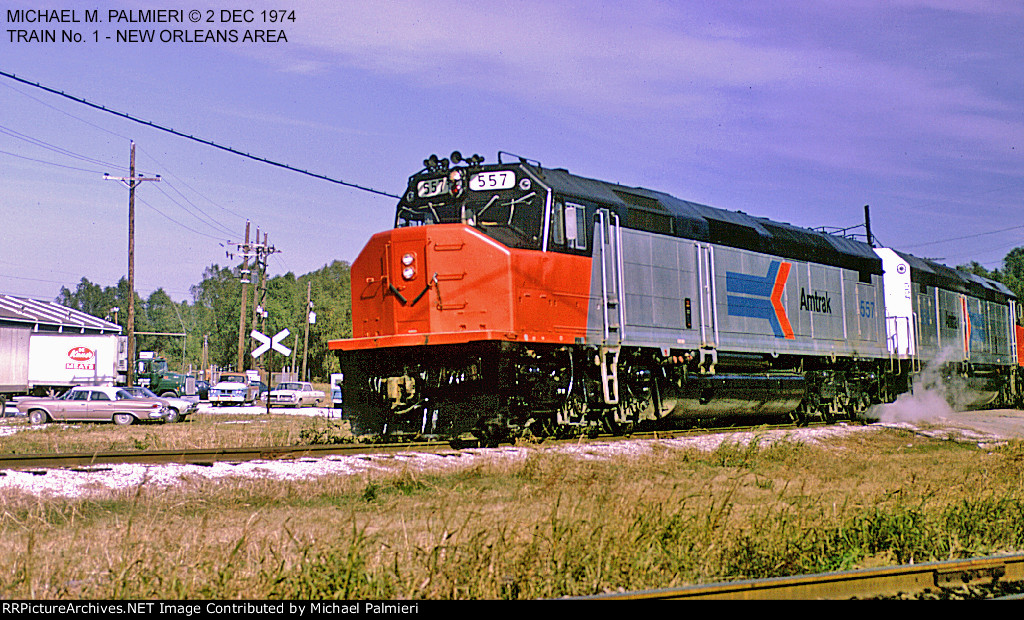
(443, 279)
(450, 283)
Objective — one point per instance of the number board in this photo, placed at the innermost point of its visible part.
(499, 179)
(432, 187)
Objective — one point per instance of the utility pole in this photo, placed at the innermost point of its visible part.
(257, 280)
(245, 297)
(259, 252)
(309, 315)
(131, 182)
(206, 349)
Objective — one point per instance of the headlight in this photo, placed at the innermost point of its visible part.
(409, 273)
(408, 259)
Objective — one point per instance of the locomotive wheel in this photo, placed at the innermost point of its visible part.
(541, 427)
(617, 428)
(799, 415)
(827, 414)
(620, 420)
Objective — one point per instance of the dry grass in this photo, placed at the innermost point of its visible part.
(549, 526)
(198, 432)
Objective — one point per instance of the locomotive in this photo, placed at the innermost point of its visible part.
(512, 299)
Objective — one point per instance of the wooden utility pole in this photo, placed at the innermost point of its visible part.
(259, 252)
(259, 289)
(131, 181)
(309, 309)
(245, 297)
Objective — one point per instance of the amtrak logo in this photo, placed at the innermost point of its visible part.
(815, 302)
(760, 297)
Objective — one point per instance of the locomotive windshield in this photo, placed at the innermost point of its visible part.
(506, 205)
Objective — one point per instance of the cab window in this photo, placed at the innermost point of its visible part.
(568, 228)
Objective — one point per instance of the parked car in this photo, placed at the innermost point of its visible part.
(203, 389)
(233, 388)
(94, 404)
(295, 394)
(177, 408)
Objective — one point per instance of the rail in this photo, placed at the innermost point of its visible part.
(208, 456)
(860, 583)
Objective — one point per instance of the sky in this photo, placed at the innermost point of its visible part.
(798, 111)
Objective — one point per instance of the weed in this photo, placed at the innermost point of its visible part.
(547, 527)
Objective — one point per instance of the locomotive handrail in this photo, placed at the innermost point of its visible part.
(620, 285)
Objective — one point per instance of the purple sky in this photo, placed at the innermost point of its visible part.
(802, 112)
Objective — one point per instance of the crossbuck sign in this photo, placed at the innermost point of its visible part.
(271, 343)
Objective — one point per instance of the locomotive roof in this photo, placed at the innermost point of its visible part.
(692, 220)
(700, 222)
(930, 273)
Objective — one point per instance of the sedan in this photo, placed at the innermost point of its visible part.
(177, 408)
(94, 404)
(295, 394)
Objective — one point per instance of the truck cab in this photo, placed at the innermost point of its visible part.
(152, 372)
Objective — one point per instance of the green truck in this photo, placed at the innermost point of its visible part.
(152, 372)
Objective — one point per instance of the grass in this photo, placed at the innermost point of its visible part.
(198, 432)
(547, 526)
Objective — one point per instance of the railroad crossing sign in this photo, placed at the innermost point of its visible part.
(271, 343)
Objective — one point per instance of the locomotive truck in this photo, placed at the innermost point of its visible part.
(515, 299)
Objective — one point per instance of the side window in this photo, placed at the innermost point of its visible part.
(556, 235)
(575, 226)
(81, 395)
(100, 396)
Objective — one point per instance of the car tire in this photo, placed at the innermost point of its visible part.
(38, 416)
(123, 419)
(173, 415)
(168, 394)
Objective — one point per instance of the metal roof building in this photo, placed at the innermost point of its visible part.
(48, 316)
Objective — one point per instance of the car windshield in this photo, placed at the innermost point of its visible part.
(123, 394)
(232, 378)
(140, 392)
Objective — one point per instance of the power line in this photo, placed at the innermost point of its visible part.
(199, 140)
(82, 120)
(49, 163)
(981, 234)
(209, 221)
(54, 148)
(186, 227)
(183, 182)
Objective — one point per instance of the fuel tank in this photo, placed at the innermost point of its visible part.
(737, 395)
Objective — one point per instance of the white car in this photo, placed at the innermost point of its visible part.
(233, 389)
(294, 394)
(177, 408)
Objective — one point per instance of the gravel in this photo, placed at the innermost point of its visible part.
(103, 480)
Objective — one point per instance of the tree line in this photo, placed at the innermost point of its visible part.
(1011, 274)
(212, 317)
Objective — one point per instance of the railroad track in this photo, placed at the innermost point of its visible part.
(911, 579)
(209, 456)
(205, 456)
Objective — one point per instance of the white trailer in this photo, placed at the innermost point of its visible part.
(45, 346)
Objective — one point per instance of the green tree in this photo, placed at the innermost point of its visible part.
(216, 303)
